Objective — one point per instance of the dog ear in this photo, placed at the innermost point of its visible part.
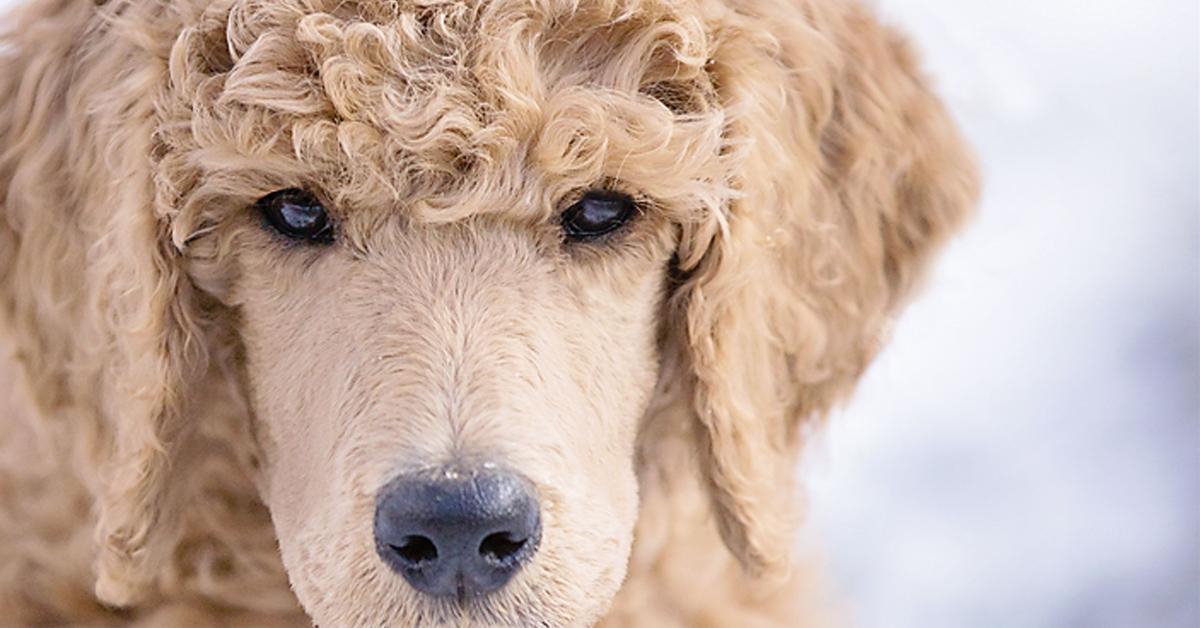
(159, 353)
(851, 175)
(106, 325)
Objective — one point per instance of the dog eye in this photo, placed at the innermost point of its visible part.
(597, 213)
(296, 214)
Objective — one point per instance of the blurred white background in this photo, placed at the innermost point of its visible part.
(1026, 454)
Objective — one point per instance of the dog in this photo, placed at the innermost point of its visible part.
(443, 312)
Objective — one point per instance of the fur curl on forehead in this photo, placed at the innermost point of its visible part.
(447, 109)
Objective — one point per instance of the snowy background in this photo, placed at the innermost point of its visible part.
(1026, 454)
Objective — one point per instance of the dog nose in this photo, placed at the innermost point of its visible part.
(457, 532)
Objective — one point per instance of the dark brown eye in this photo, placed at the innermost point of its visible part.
(296, 214)
(597, 213)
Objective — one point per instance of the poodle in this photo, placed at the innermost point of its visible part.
(442, 312)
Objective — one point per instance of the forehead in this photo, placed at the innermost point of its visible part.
(443, 107)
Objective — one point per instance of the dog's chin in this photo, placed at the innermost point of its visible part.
(382, 599)
(494, 611)
(490, 611)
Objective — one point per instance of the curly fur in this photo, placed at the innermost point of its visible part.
(796, 174)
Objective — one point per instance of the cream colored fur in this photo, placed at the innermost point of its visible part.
(197, 413)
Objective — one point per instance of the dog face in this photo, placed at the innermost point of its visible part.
(443, 261)
(447, 358)
(451, 302)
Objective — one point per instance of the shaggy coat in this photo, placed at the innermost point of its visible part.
(195, 414)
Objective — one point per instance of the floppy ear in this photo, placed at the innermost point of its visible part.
(106, 326)
(851, 175)
(158, 354)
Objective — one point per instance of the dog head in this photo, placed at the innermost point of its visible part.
(445, 259)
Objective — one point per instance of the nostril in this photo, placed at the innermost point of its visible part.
(501, 548)
(416, 550)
